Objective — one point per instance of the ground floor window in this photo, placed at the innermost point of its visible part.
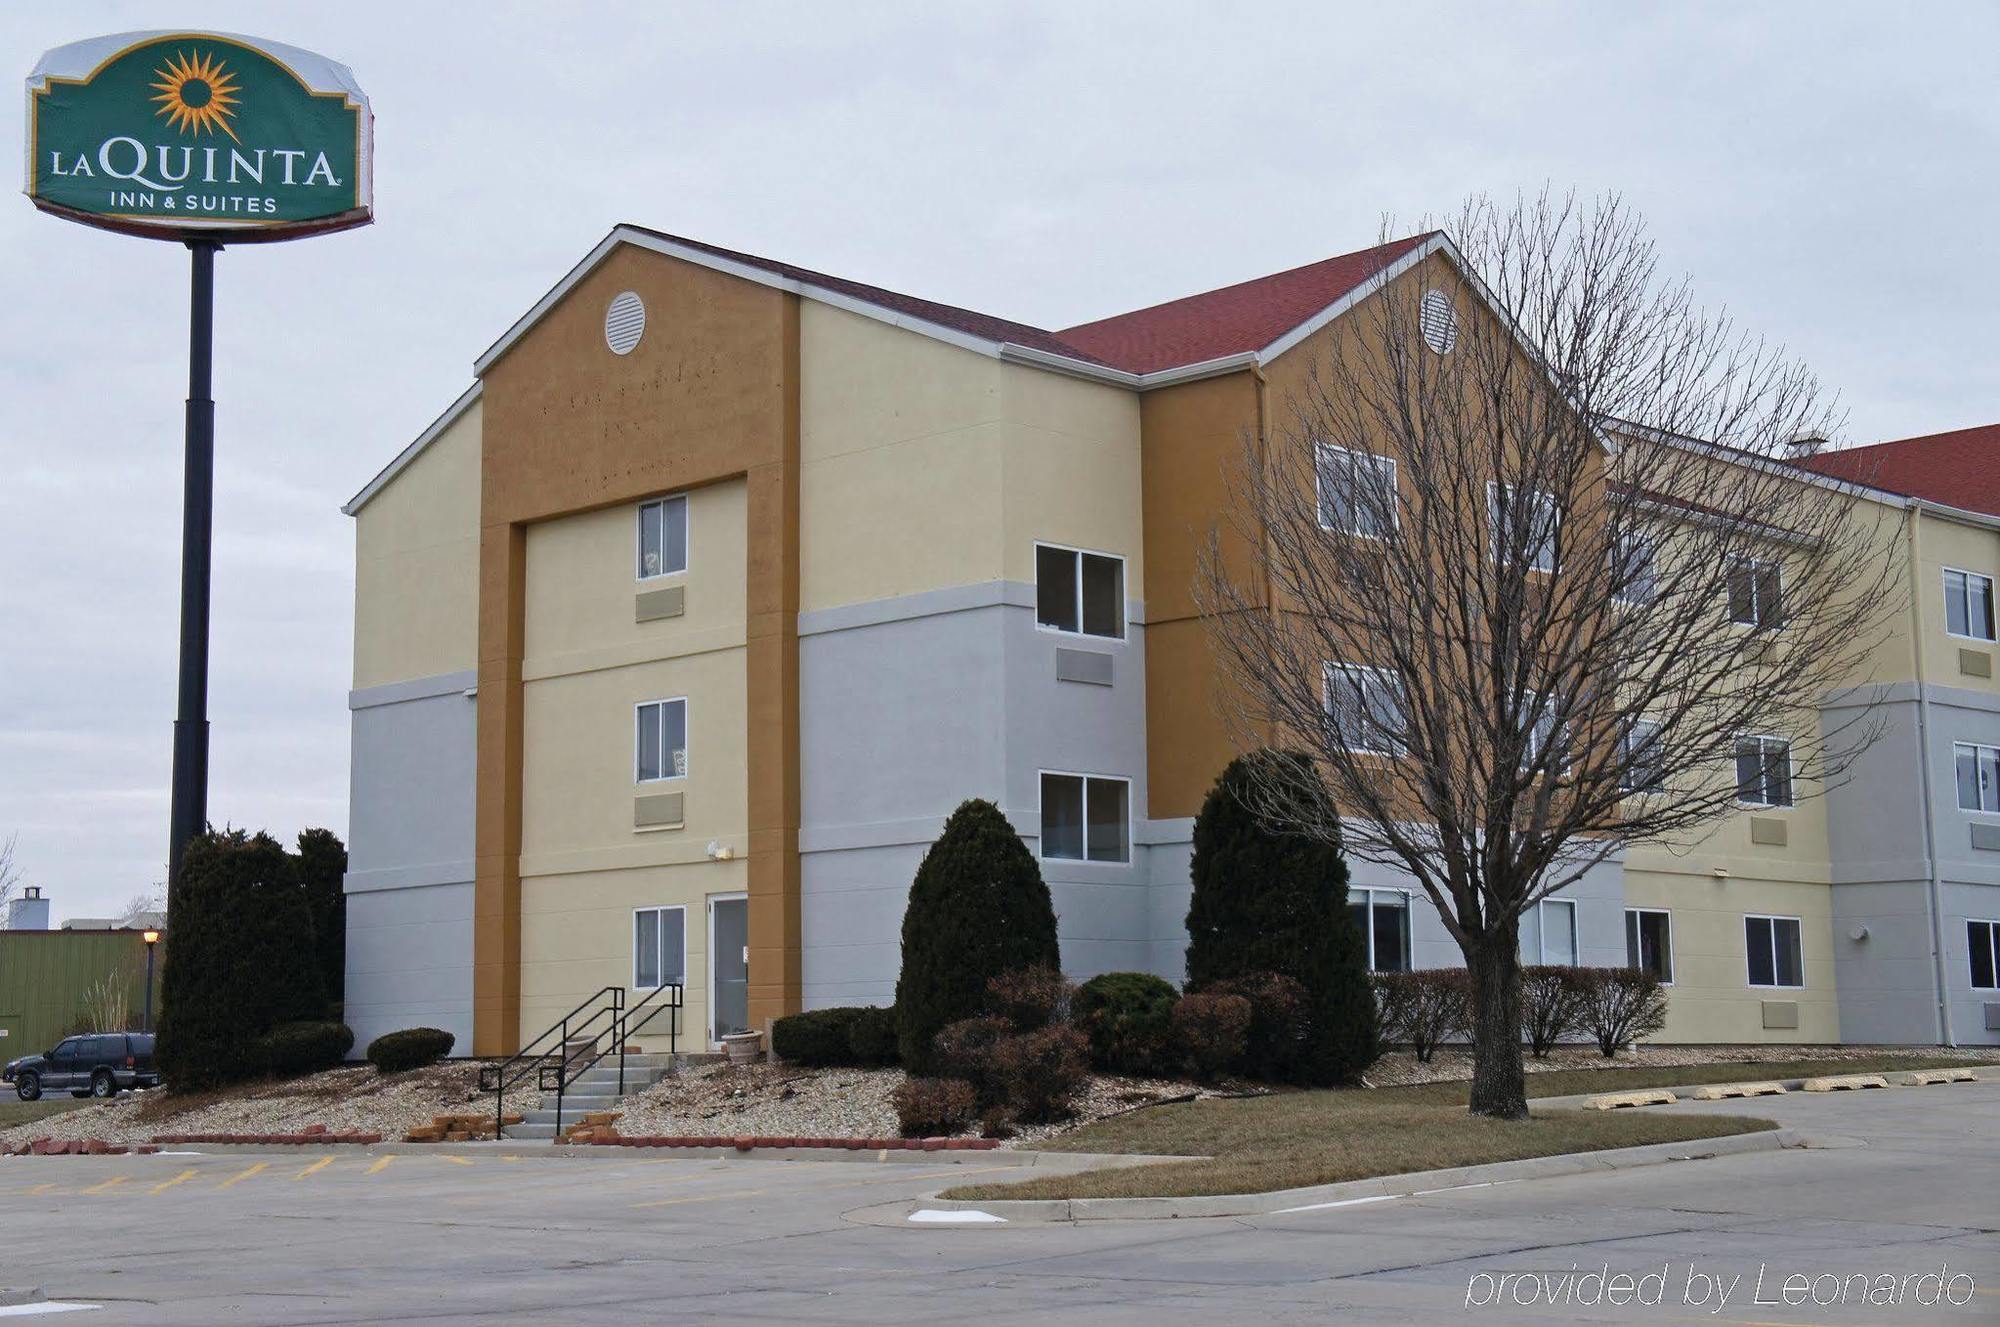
(1548, 933)
(1773, 945)
(1383, 916)
(1983, 939)
(1649, 942)
(659, 948)
(1086, 818)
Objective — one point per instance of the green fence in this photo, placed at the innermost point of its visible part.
(53, 983)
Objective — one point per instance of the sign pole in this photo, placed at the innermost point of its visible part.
(189, 814)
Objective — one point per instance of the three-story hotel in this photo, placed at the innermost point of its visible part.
(681, 631)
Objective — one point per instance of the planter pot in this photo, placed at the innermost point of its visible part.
(744, 1047)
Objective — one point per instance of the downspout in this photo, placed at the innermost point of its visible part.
(1933, 892)
(1262, 388)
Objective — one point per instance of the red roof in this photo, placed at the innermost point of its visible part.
(1957, 469)
(1247, 316)
(1229, 321)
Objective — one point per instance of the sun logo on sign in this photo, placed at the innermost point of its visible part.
(197, 94)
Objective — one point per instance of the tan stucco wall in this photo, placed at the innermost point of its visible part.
(1941, 543)
(416, 564)
(925, 466)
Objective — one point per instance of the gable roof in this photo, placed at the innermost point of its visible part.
(1960, 468)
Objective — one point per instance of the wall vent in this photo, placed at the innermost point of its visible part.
(624, 323)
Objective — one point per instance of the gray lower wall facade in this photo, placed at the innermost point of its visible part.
(409, 879)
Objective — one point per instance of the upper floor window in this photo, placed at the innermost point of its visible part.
(1086, 818)
(1357, 492)
(1524, 522)
(1968, 604)
(1643, 757)
(1773, 948)
(1633, 578)
(1763, 771)
(1756, 594)
(662, 740)
(1983, 940)
(1978, 776)
(1079, 592)
(663, 537)
(1365, 708)
(1383, 915)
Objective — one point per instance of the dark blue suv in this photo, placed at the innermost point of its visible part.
(96, 1064)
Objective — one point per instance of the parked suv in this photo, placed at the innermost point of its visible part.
(96, 1064)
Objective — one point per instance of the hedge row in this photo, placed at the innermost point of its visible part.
(1613, 1006)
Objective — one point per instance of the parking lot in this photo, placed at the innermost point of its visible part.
(331, 1236)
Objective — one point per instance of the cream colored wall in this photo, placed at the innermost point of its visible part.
(586, 665)
(416, 564)
(924, 466)
(1942, 543)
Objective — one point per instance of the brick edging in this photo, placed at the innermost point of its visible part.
(306, 1138)
(746, 1142)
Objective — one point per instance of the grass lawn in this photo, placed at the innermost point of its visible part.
(14, 1111)
(1293, 1139)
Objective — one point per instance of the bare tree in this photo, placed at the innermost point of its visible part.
(147, 903)
(10, 870)
(1525, 568)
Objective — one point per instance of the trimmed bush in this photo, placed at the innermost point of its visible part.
(1039, 1072)
(322, 868)
(292, 1049)
(1281, 1029)
(237, 908)
(1029, 998)
(1271, 901)
(1211, 1030)
(871, 1037)
(964, 1050)
(978, 908)
(412, 1048)
(815, 1037)
(1621, 1005)
(927, 1107)
(1129, 1019)
(1552, 999)
(1425, 1009)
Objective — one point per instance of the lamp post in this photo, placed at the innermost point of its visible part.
(152, 942)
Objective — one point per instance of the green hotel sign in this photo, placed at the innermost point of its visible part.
(184, 134)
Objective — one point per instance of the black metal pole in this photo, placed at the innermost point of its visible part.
(189, 814)
(149, 988)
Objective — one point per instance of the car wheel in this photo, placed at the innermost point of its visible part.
(102, 1084)
(29, 1088)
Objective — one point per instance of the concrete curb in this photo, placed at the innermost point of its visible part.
(1686, 1091)
(1357, 1192)
(534, 1151)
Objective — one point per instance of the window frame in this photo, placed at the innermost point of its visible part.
(1791, 771)
(1979, 784)
(1364, 458)
(1756, 622)
(687, 741)
(1330, 666)
(1124, 586)
(1992, 952)
(1774, 984)
(1542, 933)
(1625, 743)
(1632, 935)
(1041, 827)
(1619, 540)
(639, 536)
(681, 908)
(1965, 584)
(1540, 496)
(1367, 900)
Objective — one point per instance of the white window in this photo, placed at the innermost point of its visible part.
(1968, 604)
(1540, 732)
(1357, 492)
(1383, 917)
(1642, 757)
(1365, 709)
(1548, 933)
(1086, 818)
(1763, 771)
(1649, 942)
(659, 948)
(1523, 521)
(663, 537)
(1756, 594)
(1633, 577)
(1773, 946)
(662, 740)
(1080, 592)
(1978, 776)
(1983, 940)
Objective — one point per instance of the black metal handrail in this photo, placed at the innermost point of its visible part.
(622, 1029)
(498, 1078)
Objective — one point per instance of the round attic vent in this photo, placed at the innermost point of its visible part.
(1438, 320)
(624, 323)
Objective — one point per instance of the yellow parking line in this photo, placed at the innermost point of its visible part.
(164, 1185)
(381, 1164)
(459, 1161)
(107, 1186)
(41, 1188)
(699, 1198)
(242, 1175)
(314, 1168)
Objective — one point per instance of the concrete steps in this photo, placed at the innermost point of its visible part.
(596, 1089)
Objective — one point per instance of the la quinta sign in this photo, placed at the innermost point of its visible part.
(177, 134)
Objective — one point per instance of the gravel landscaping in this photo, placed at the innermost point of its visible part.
(1454, 1063)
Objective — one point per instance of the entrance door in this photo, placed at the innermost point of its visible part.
(728, 966)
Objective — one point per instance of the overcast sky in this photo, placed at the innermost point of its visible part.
(1824, 170)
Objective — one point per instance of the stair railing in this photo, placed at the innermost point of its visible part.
(667, 999)
(533, 1058)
